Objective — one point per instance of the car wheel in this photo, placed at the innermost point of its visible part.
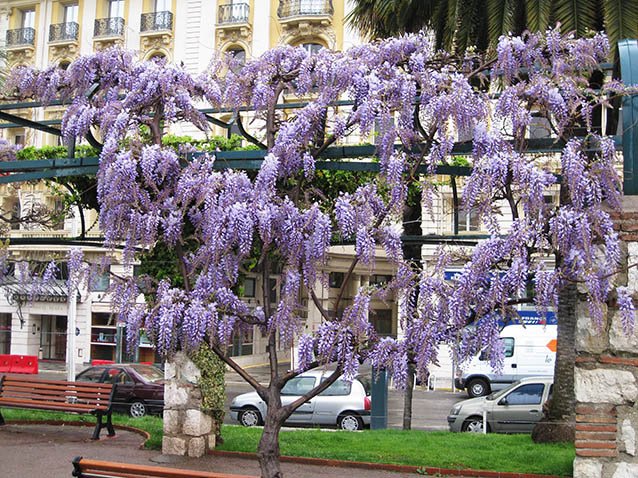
(137, 409)
(350, 422)
(250, 417)
(474, 425)
(477, 388)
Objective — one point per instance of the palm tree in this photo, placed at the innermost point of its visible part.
(457, 25)
(460, 24)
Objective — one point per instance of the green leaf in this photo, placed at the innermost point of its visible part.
(538, 14)
(580, 17)
(621, 20)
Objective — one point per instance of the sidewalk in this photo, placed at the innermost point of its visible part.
(36, 451)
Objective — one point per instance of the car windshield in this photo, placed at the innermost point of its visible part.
(150, 373)
(500, 393)
(366, 381)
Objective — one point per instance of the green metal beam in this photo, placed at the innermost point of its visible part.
(628, 54)
(29, 124)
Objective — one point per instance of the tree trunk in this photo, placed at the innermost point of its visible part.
(268, 451)
(407, 398)
(412, 254)
(557, 424)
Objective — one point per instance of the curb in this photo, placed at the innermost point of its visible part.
(127, 428)
(424, 470)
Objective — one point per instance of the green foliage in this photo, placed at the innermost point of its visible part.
(211, 384)
(217, 143)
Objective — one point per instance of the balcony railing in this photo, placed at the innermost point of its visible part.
(107, 27)
(292, 8)
(21, 36)
(235, 13)
(64, 32)
(156, 21)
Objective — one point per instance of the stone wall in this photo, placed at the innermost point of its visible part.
(187, 430)
(606, 376)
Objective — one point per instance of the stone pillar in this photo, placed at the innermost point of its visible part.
(606, 375)
(187, 430)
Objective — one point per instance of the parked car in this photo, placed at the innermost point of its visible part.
(140, 387)
(515, 409)
(530, 351)
(346, 405)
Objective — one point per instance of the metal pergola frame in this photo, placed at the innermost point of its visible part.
(19, 171)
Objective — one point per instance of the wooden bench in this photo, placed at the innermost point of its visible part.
(56, 395)
(83, 468)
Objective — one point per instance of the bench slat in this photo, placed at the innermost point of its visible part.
(108, 469)
(29, 380)
(80, 387)
(61, 399)
(80, 407)
(52, 393)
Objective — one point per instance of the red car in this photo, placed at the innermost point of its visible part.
(140, 387)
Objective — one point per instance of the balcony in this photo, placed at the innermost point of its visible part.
(64, 32)
(21, 37)
(233, 23)
(234, 13)
(108, 27)
(156, 22)
(295, 8)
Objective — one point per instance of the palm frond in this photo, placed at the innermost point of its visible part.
(621, 20)
(538, 14)
(500, 18)
(579, 16)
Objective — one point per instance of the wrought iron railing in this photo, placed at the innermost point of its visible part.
(291, 8)
(64, 31)
(155, 21)
(106, 27)
(21, 36)
(234, 13)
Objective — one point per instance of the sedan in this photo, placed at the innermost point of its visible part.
(139, 390)
(344, 404)
(515, 409)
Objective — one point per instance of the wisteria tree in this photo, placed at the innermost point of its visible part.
(217, 220)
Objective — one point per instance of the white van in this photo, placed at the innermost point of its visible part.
(530, 350)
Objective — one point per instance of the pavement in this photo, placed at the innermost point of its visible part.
(37, 451)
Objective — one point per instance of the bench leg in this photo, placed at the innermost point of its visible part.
(2, 423)
(99, 425)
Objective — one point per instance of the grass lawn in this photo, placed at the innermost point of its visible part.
(513, 453)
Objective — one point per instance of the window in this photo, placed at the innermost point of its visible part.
(91, 375)
(508, 346)
(116, 9)
(101, 282)
(239, 58)
(382, 322)
(163, 5)
(380, 279)
(241, 341)
(530, 394)
(71, 13)
(28, 19)
(249, 287)
(312, 48)
(468, 220)
(339, 388)
(335, 279)
(18, 139)
(298, 386)
(5, 334)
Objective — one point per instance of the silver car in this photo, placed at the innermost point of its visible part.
(515, 409)
(344, 404)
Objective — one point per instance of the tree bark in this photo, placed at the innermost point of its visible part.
(407, 398)
(557, 424)
(268, 451)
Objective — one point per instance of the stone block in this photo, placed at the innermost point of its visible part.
(587, 468)
(190, 372)
(175, 396)
(173, 446)
(170, 370)
(619, 339)
(172, 425)
(197, 423)
(588, 335)
(605, 386)
(628, 437)
(625, 470)
(211, 441)
(197, 447)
